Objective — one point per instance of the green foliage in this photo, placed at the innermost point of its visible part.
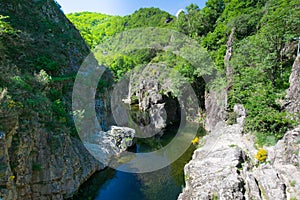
(292, 183)
(59, 109)
(102, 84)
(96, 28)
(198, 22)
(54, 94)
(232, 118)
(261, 61)
(148, 17)
(120, 64)
(36, 167)
(262, 65)
(262, 55)
(45, 63)
(5, 28)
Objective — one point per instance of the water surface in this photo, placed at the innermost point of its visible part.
(163, 184)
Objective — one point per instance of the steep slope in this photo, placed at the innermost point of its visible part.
(97, 27)
(40, 53)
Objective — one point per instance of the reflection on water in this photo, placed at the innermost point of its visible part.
(166, 183)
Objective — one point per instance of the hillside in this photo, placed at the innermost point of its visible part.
(40, 52)
(96, 27)
(255, 36)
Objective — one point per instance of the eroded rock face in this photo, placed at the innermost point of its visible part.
(215, 106)
(40, 165)
(155, 98)
(224, 166)
(292, 103)
(36, 161)
(216, 101)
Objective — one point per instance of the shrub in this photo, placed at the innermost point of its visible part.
(262, 155)
(195, 141)
(58, 108)
(232, 118)
(47, 64)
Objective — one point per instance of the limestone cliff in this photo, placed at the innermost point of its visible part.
(224, 167)
(292, 103)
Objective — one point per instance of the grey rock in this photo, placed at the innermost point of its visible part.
(152, 89)
(215, 106)
(229, 50)
(292, 99)
(225, 167)
(241, 113)
(105, 145)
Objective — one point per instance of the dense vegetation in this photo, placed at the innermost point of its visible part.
(263, 54)
(34, 80)
(263, 51)
(96, 27)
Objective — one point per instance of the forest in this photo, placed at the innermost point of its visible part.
(263, 52)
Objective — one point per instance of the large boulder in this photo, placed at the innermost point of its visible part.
(104, 145)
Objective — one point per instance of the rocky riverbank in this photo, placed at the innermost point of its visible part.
(225, 167)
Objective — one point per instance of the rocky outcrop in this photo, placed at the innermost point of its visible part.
(105, 145)
(40, 165)
(292, 102)
(229, 68)
(215, 108)
(224, 167)
(154, 99)
(216, 100)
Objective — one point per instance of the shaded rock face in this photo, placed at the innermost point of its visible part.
(40, 165)
(292, 102)
(35, 161)
(103, 102)
(224, 167)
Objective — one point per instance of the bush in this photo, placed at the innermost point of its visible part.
(232, 118)
(45, 63)
(59, 109)
(262, 155)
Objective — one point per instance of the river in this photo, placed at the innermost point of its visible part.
(163, 184)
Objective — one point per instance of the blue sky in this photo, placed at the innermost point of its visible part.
(124, 7)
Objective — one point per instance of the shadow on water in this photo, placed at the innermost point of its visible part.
(166, 183)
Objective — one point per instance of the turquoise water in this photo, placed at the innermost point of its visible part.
(163, 184)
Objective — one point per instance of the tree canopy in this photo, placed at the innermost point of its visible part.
(263, 50)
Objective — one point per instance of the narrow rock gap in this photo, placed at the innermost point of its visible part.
(283, 186)
(258, 187)
(241, 160)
